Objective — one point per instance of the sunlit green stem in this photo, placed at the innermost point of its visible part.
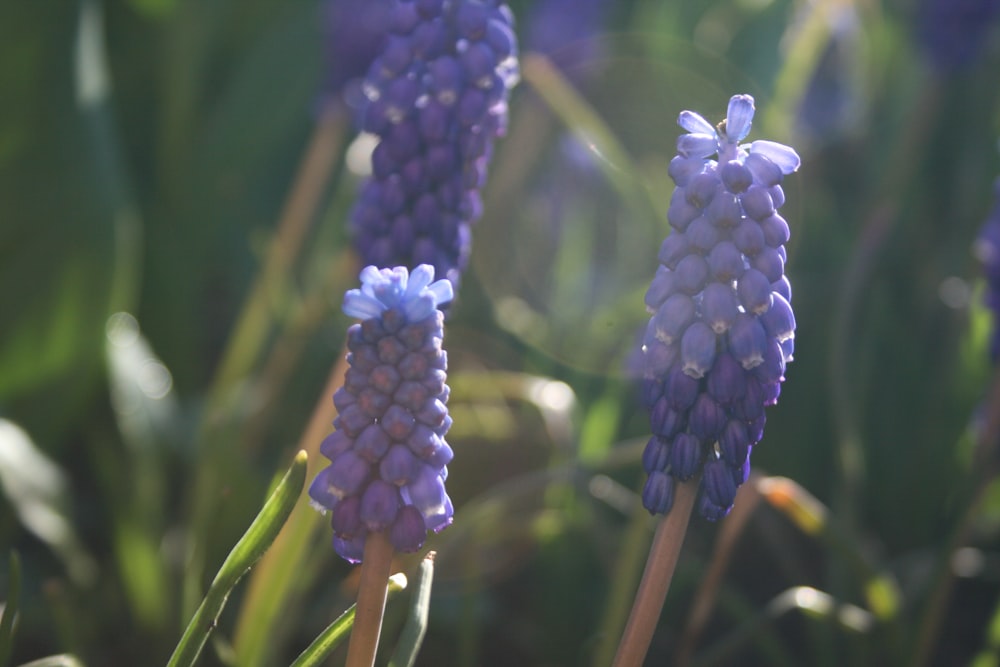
(336, 632)
(660, 565)
(573, 110)
(247, 551)
(271, 583)
(413, 632)
(371, 601)
(253, 324)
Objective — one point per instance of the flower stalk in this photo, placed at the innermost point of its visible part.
(372, 592)
(663, 556)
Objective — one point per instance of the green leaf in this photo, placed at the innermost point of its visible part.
(413, 632)
(67, 245)
(248, 550)
(10, 609)
(336, 632)
(38, 490)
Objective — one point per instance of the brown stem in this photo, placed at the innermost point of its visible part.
(660, 565)
(371, 601)
(730, 531)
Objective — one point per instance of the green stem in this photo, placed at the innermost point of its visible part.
(588, 125)
(660, 565)
(336, 632)
(371, 601)
(271, 582)
(413, 632)
(252, 326)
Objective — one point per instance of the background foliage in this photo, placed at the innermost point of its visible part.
(147, 148)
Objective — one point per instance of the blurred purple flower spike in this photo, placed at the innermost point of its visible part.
(952, 33)
(436, 97)
(566, 31)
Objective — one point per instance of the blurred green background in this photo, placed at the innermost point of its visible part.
(147, 153)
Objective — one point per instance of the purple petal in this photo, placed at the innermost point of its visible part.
(420, 278)
(362, 306)
(408, 531)
(739, 117)
(784, 157)
(658, 493)
(685, 456)
(695, 123)
(697, 145)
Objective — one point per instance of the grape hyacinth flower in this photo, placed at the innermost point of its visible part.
(388, 453)
(437, 98)
(722, 327)
(987, 250)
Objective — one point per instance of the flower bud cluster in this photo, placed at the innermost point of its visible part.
(722, 327)
(388, 453)
(987, 250)
(437, 98)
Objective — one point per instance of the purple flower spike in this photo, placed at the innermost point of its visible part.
(436, 96)
(388, 453)
(721, 329)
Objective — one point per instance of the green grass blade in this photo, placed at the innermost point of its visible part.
(566, 103)
(415, 628)
(248, 550)
(340, 629)
(10, 608)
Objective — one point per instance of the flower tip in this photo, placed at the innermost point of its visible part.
(420, 277)
(739, 117)
(360, 305)
(694, 123)
(443, 291)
